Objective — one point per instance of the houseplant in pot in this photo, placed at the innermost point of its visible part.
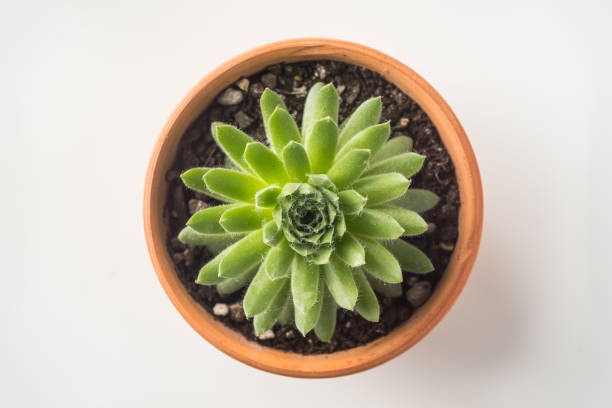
(401, 324)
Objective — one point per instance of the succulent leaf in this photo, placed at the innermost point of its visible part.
(233, 142)
(407, 164)
(266, 319)
(409, 257)
(233, 184)
(393, 147)
(371, 138)
(340, 282)
(209, 273)
(206, 221)
(392, 290)
(261, 292)
(308, 117)
(305, 320)
(231, 285)
(214, 242)
(416, 200)
(367, 304)
(272, 234)
(304, 283)
(321, 145)
(194, 179)
(243, 255)
(348, 169)
(278, 261)
(322, 103)
(381, 188)
(265, 163)
(324, 329)
(374, 224)
(350, 250)
(266, 197)
(351, 202)
(412, 222)
(268, 103)
(244, 218)
(381, 263)
(366, 115)
(296, 161)
(282, 130)
(286, 315)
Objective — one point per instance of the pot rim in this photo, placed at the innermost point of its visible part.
(425, 318)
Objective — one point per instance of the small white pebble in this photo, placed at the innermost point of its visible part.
(447, 247)
(243, 84)
(220, 309)
(267, 335)
(347, 325)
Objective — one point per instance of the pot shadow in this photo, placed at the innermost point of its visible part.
(482, 332)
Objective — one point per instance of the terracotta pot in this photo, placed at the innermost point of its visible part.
(425, 318)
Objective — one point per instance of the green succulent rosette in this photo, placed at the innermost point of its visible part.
(314, 219)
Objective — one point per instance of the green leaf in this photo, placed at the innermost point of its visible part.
(244, 218)
(282, 130)
(406, 164)
(322, 101)
(308, 118)
(230, 183)
(260, 293)
(272, 234)
(233, 142)
(374, 224)
(393, 147)
(324, 329)
(371, 138)
(296, 161)
(194, 179)
(409, 257)
(214, 242)
(341, 284)
(351, 202)
(367, 304)
(382, 187)
(231, 285)
(206, 221)
(286, 315)
(305, 320)
(350, 250)
(321, 145)
(209, 273)
(278, 261)
(366, 115)
(392, 290)
(265, 163)
(381, 263)
(411, 221)
(265, 320)
(268, 103)
(321, 257)
(304, 283)
(243, 255)
(266, 198)
(348, 169)
(417, 200)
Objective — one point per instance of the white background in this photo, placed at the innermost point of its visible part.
(85, 88)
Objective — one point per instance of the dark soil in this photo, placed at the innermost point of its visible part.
(355, 85)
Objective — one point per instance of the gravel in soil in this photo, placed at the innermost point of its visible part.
(239, 105)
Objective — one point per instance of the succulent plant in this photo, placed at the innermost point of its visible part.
(313, 221)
